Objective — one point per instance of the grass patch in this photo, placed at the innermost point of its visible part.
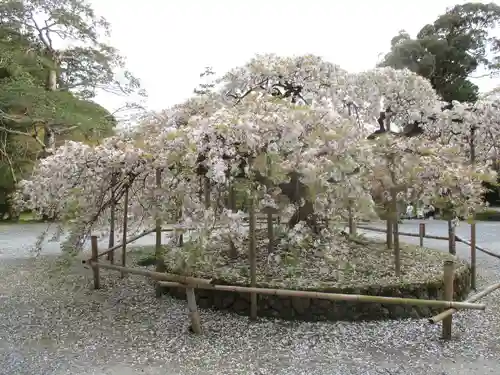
(488, 215)
(343, 264)
(24, 218)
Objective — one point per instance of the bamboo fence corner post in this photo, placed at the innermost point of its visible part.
(194, 314)
(95, 259)
(473, 255)
(252, 255)
(421, 233)
(448, 275)
(124, 237)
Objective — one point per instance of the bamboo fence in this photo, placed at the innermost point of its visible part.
(190, 284)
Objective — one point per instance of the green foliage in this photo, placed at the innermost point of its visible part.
(488, 215)
(46, 93)
(448, 51)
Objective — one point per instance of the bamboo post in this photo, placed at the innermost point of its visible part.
(160, 263)
(233, 253)
(95, 267)
(395, 227)
(452, 248)
(421, 233)
(270, 220)
(352, 222)
(111, 242)
(252, 255)
(270, 231)
(388, 232)
(473, 256)
(194, 314)
(124, 235)
(448, 274)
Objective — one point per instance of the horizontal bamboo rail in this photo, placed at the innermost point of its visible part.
(439, 317)
(116, 247)
(152, 274)
(140, 235)
(483, 250)
(407, 234)
(329, 296)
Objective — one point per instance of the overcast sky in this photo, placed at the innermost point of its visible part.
(168, 43)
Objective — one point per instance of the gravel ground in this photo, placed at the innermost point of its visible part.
(53, 323)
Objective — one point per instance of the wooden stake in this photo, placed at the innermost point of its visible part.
(194, 314)
(395, 227)
(352, 222)
(231, 199)
(388, 232)
(270, 231)
(473, 256)
(451, 238)
(421, 233)
(125, 222)
(160, 263)
(95, 267)
(252, 256)
(448, 275)
(111, 242)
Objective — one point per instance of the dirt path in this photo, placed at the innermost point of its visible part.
(53, 323)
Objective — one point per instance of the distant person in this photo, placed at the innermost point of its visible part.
(430, 212)
(409, 211)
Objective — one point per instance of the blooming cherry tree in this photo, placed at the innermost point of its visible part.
(294, 134)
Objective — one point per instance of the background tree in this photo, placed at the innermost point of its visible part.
(448, 51)
(46, 90)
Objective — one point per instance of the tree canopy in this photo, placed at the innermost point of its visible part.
(448, 51)
(47, 91)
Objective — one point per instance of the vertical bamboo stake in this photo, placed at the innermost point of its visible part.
(451, 238)
(160, 262)
(95, 258)
(252, 256)
(421, 233)
(194, 314)
(111, 242)
(352, 222)
(448, 274)
(270, 231)
(232, 206)
(124, 236)
(395, 227)
(388, 232)
(473, 255)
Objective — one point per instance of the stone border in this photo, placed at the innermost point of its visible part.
(307, 309)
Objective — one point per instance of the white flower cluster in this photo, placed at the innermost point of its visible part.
(268, 125)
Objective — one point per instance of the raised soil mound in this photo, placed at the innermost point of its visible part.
(349, 268)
